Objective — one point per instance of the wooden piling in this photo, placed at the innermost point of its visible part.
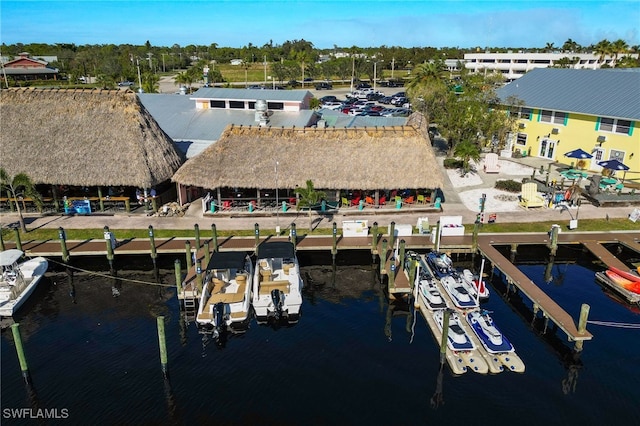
(374, 238)
(152, 242)
(100, 200)
(162, 343)
(63, 244)
(445, 334)
(207, 253)
(294, 236)
(214, 237)
(334, 248)
(196, 229)
(582, 325)
(16, 232)
(24, 367)
(199, 276)
(383, 257)
(187, 249)
(402, 253)
(474, 237)
(107, 239)
(178, 274)
(256, 232)
(412, 275)
(553, 243)
(392, 235)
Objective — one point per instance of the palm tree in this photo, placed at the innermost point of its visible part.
(20, 186)
(150, 82)
(602, 49)
(548, 47)
(467, 151)
(427, 72)
(617, 47)
(309, 197)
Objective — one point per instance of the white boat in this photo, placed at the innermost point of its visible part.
(428, 291)
(457, 338)
(277, 285)
(18, 280)
(440, 263)
(478, 287)
(226, 294)
(491, 338)
(459, 291)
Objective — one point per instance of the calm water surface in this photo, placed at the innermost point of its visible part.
(351, 359)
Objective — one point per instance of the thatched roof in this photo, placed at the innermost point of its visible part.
(365, 158)
(83, 138)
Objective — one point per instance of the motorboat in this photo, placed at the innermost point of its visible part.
(491, 338)
(478, 286)
(460, 293)
(457, 339)
(626, 275)
(19, 279)
(226, 294)
(277, 284)
(622, 281)
(428, 291)
(440, 264)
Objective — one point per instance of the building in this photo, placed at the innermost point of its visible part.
(26, 68)
(515, 65)
(565, 109)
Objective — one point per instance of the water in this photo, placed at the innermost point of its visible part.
(351, 359)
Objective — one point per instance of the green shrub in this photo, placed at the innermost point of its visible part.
(509, 185)
(452, 163)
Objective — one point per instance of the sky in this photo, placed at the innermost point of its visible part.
(342, 23)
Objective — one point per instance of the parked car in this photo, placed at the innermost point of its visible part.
(399, 100)
(307, 79)
(293, 83)
(361, 86)
(125, 84)
(324, 86)
(385, 100)
(328, 98)
(374, 96)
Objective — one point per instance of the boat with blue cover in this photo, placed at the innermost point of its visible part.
(457, 338)
(461, 295)
(491, 338)
(440, 264)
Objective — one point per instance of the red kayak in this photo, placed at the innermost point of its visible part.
(628, 275)
(623, 282)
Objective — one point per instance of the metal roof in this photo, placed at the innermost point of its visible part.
(251, 94)
(604, 92)
(195, 129)
(338, 119)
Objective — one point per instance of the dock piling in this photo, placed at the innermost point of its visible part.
(152, 242)
(187, 249)
(294, 236)
(445, 333)
(178, 274)
(199, 276)
(553, 243)
(374, 238)
(196, 229)
(392, 235)
(108, 238)
(256, 231)
(334, 248)
(383, 257)
(214, 236)
(18, 240)
(162, 343)
(15, 330)
(63, 244)
(582, 325)
(402, 253)
(207, 253)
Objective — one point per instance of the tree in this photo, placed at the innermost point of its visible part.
(309, 197)
(467, 151)
(20, 186)
(602, 49)
(150, 82)
(617, 47)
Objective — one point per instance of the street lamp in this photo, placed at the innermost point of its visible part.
(277, 204)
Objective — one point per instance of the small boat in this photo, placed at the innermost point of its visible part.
(440, 263)
(627, 275)
(479, 287)
(226, 293)
(491, 338)
(459, 291)
(623, 282)
(18, 280)
(428, 290)
(457, 339)
(277, 285)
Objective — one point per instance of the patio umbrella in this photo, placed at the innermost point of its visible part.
(578, 153)
(614, 165)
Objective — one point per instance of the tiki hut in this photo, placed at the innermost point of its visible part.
(368, 158)
(83, 138)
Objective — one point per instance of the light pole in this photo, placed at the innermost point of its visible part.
(353, 70)
(277, 204)
(139, 77)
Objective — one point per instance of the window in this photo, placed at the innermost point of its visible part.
(614, 125)
(521, 139)
(554, 117)
(525, 113)
(217, 104)
(275, 105)
(236, 104)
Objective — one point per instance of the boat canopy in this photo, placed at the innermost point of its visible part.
(9, 257)
(276, 249)
(227, 260)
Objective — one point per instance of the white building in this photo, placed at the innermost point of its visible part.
(515, 65)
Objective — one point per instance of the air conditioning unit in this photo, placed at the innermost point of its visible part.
(555, 131)
(522, 125)
(602, 139)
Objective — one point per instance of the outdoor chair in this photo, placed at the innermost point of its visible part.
(369, 201)
(383, 200)
(491, 164)
(529, 196)
(421, 199)
(345, 202)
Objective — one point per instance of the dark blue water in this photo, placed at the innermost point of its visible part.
(351, 359)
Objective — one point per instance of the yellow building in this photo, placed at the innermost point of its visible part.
(566, 109)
